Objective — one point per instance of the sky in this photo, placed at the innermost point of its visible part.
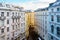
(29, 4)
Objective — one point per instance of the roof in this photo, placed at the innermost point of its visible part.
(57, 3)
(43, 9)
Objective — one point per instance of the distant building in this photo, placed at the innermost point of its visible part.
(29, 21)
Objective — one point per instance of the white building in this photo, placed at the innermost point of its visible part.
(41, 17)
(54, 21)
(50, 21)
(22, 25)
(12, 22)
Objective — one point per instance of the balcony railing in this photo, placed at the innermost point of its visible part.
(2, 34)
(13, 24)
(2, 17)
(18, 22)
(15, 17)
(2, 26)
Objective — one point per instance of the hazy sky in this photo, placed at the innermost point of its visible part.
(29, 4)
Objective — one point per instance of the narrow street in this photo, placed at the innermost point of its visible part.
(33, 35)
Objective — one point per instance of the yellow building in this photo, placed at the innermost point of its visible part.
(29, 21)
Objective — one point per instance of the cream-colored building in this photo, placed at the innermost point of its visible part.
(12, 22)
(29, 21)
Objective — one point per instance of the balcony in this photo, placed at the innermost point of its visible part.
(2, 17)
(18, 22)
(17, 17)
(2, 34)
(2, 26)
(13, 17)
(13, 24)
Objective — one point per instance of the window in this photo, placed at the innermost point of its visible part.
(51, 37)
(45, 22)
(13, 14)
(2, 30)
(3, 38)
(16, 26)
(7, 21)
(13, 20)
(13, 34)
(12, 39)
(7, 13)
(58, 9)
(16, 13)
(22, 24)
(13, 27)
(2, 13)
(52, 18)
(8, 38)
(52, 28)
(58, 31)
(1, 23)
(16, 20)
(58, 18)
(52, 10)
(7, 29)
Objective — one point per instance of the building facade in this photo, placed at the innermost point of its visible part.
(41, 17)
(10, 22)
(54, 25)
(29, 20)
(47, 21)
(22, 25)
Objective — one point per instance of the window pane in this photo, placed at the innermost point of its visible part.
(58, 31)
(58, 18)
(52, 18)
(58, 9)
(7, 29)
(7, 13)
(2, 30)
(2, 13)
(7, 21)
(52, 28)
